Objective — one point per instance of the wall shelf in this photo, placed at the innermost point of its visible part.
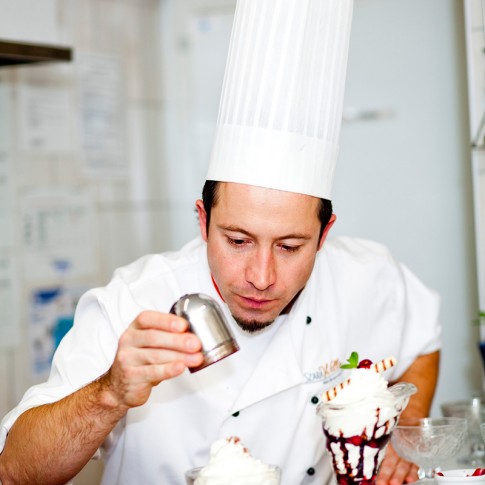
(16, 53)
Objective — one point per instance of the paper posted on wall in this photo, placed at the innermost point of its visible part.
(51, 317)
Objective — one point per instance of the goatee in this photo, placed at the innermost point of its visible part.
(251, 326)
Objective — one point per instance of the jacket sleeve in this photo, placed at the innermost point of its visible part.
(422, 329)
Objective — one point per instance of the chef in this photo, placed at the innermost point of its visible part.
(298, 304)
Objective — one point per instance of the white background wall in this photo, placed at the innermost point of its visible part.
(404, 180)
(31, 21)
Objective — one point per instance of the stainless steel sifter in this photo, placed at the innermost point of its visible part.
(207, 321)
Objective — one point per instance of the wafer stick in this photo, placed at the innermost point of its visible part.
(331, 393)
(384, 364)
(381, 366)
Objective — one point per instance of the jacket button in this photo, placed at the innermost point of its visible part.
(308, 320)
(236, 414)
(311, 471)
(314, 400)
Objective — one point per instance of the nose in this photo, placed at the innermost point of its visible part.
(261, 269)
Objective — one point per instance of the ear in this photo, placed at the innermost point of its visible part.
(199, 207)
(325, 232)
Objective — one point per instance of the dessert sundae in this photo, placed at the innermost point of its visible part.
(358, 417)
(230, 462)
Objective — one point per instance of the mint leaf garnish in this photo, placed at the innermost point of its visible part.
(352, 361)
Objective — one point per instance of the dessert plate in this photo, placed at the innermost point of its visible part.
(461, 476)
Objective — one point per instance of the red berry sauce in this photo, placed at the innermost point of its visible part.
(355, 475)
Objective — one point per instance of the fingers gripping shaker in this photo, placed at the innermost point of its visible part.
(207, 321)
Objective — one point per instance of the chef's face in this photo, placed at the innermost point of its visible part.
(261, 247)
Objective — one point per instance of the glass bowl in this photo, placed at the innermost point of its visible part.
(473, 410)
(429, 442)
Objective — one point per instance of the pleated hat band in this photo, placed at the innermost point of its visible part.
(281, 105)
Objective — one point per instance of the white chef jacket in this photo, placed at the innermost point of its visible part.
(358, 298)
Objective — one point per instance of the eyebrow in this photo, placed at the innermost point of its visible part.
(296, 235)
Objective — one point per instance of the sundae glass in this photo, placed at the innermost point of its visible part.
(358, 418)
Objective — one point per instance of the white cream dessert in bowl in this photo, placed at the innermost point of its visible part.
(230, 462)
(358, 418)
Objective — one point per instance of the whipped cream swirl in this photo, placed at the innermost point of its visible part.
(230, 462)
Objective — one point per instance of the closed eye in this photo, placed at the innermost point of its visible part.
(238, 243)
(289, 249)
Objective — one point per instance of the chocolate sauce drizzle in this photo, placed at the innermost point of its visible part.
(354, 476)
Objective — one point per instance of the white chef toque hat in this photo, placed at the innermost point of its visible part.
(281, 105)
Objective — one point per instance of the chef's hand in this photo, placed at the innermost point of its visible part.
(155, 347)
(395, 470)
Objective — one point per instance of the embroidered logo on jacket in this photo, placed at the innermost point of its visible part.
(325, 373)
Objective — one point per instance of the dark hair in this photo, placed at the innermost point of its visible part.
(210, 196)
